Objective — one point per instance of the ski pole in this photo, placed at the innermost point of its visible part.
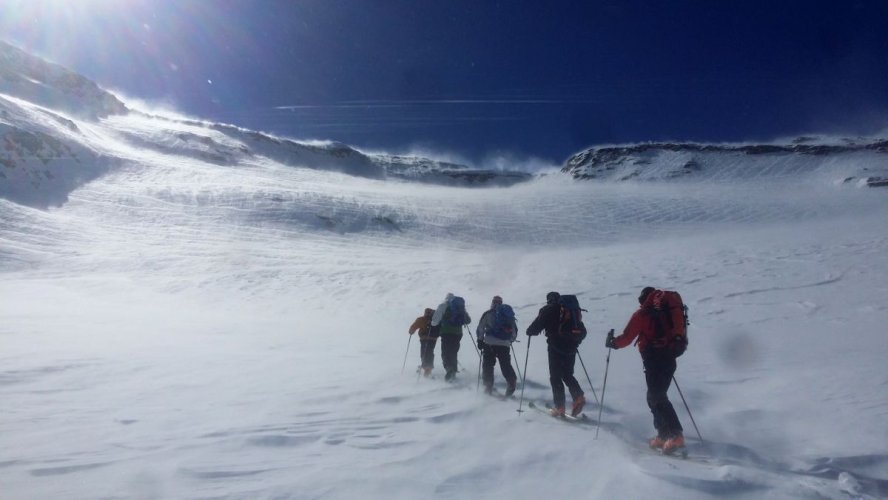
(478, 352)
(688, 409)
(473, 341)
(526, 356)
(604, 385)
(516, 362)
(587, 377)
(406, 353)
(478, 386)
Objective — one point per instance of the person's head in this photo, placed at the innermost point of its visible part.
(497, 301)
(644, 294)
(448, 297)
(429, 312)
(553, 297)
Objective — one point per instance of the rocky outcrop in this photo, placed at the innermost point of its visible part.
(666, 160)
(414, 168)
(39, 170)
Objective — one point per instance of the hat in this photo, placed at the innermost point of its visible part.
(644, 294)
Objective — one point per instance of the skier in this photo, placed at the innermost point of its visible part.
(495, 337)
(562, 356)
(449, 317)
(423, 325)
(659, 367)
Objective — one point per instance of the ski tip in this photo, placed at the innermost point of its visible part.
(680, 452)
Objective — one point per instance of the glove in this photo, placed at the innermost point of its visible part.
(610, 343)
(532, 334)
(481, 344)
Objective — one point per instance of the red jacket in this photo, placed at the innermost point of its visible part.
(641, 326)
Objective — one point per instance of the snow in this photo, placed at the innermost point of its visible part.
(179, 326)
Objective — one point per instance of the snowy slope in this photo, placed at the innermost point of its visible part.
(197, 317)
(59, 130)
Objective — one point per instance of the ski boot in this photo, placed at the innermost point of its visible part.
(673, 444)
(657, 443)
(511, 388)
(578, 405)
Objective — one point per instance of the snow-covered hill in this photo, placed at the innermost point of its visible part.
(190, 309)
(59, 130)
(49, 85)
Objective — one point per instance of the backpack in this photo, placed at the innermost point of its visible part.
(456, 312)
(503, 319)
(571, 320)
(670, 322)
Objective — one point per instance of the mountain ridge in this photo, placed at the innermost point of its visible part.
(670, 160)
(55, 127)
(60, 130)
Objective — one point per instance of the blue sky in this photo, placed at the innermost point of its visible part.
(482, 79)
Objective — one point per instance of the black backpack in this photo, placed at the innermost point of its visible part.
(571, 320)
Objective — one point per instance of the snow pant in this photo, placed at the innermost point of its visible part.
(561, 373)
(659, 367)
(427, 352)
(449, 349)
(492, 353)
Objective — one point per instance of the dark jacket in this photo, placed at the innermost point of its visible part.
(549, 319)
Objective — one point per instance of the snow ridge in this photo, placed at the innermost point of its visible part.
(863, 161)
(50, 85)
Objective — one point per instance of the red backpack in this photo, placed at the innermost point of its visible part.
(671, 322)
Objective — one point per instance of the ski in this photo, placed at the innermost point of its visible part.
(579, 419)
(681, 452)
(502, 397)
(567, 416)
